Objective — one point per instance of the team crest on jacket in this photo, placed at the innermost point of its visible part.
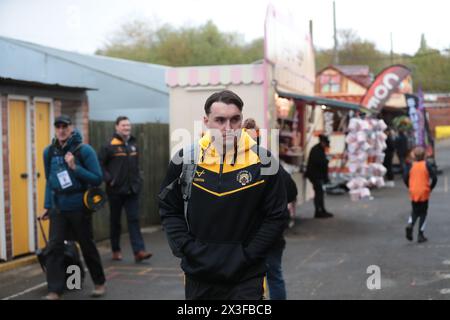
(244, 177)
(133, 148)
(199, 173)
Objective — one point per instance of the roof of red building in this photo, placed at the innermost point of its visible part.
(358, 73)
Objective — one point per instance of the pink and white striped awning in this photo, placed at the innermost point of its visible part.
(215, 75)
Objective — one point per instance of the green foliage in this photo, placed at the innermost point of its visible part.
(186, 46)
(402, 123)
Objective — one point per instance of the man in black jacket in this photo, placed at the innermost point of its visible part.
(236, 210)
(389, 155)
(120, 163)
(401, 145)
(317, 173)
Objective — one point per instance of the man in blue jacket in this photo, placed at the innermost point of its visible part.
(70, 167)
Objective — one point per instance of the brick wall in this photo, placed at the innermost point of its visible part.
(79, 113)
(85, 120)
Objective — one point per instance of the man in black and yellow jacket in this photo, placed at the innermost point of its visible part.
(119, 160)
(236, 209)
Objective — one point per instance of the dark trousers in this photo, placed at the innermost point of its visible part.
(388, 165)
(419, 211)
(319, 202)
(275, 280)
(131, 204)
(73, 225)
(402, 161)
(251, 289)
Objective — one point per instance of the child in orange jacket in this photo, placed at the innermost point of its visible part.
(421, 179)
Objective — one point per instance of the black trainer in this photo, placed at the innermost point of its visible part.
(322, 215)
(421, 238)
(409, 233)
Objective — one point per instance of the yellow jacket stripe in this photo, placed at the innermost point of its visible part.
(228, 192)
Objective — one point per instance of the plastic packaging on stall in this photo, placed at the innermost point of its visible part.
(366, 142)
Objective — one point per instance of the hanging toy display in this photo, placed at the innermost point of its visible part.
(366, 141)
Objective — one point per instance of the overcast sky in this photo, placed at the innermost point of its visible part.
(85, 25)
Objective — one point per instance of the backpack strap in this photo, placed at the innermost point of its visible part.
(190, 157)
(48, 160)
(51, 153)
(77, 153)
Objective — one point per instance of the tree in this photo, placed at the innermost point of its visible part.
(185, 46)
(423, 44)
(133, 41)
(352, 50)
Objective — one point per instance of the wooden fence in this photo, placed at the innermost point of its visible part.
(153, 142)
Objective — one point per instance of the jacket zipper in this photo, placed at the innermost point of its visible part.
(128, 166)
(220, 173)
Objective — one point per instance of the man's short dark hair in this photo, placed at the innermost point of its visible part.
(249, 123)
(225, 96)
(121, 118)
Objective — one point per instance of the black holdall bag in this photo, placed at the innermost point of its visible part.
(71, 254)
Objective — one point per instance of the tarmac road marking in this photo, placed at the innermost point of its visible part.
(308, 258)
(446, 262)
(313, 292)
(41, 285)
(444, 276)
(145, 271)
(445, 291)
(446, 184)
(112, 275)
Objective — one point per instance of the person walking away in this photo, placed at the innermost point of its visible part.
(275, 278)
(70, 166)
(420, 178)
(119, 159)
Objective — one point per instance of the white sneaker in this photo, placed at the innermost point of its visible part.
(390, 184)
(98, 291)
(291, 223)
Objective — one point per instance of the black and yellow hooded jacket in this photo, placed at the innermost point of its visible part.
(119, 160)
(235, 214)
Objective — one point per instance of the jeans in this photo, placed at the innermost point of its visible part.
(131, 204)
(275, 280)
(64, 225)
